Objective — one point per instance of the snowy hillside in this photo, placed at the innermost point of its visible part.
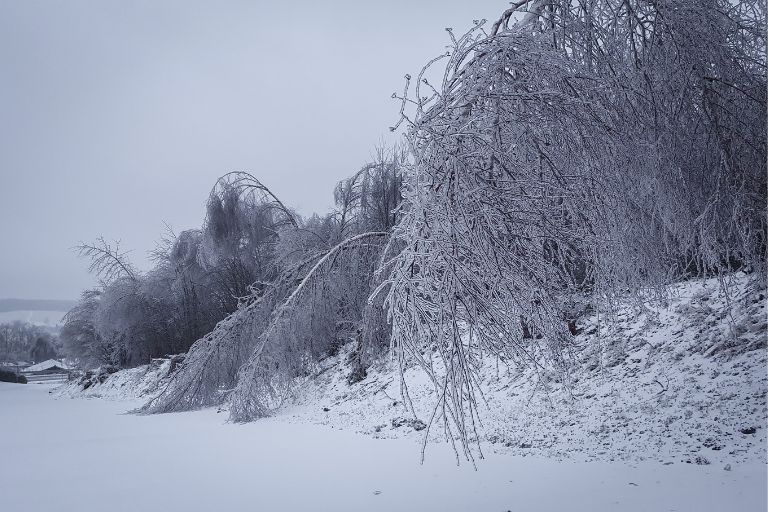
(130, 384)
(683, 383)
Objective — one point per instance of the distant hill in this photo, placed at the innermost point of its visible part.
(35, 305)
(52, 319)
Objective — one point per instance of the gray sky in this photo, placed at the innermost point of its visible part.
(117, 116)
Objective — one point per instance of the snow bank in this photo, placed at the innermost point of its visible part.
(684, 383)
(142, 382)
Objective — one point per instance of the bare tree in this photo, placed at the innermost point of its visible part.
(108, 262)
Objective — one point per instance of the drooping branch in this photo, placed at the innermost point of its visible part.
(107, 261)
(276, 351)
(246, 182)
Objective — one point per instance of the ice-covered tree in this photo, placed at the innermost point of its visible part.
(314, 299)
(605, 146)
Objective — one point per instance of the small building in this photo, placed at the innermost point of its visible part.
(51, 366)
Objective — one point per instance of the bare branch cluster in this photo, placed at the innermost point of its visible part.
(108, 262)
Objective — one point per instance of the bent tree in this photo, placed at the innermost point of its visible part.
(606, 147)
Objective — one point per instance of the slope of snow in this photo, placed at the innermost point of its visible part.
(79, 454)
(685, 383)
(131, 384)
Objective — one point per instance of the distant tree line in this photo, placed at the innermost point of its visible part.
(25, 342)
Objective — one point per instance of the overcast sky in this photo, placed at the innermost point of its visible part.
(118, 116)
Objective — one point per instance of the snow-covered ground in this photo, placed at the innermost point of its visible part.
(62, 453)
(667, 411)
(130, 384)
(684, 383)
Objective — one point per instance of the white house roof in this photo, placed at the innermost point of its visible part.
(39, 367)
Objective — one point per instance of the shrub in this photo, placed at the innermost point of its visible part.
(7, 376)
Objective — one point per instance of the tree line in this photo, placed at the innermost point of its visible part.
(572, 149)
(26, 342)
(248, 240)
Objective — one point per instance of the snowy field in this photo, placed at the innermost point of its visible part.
(77, 453)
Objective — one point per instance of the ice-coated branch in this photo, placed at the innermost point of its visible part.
(107, 261)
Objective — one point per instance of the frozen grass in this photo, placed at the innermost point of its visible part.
(76, 453)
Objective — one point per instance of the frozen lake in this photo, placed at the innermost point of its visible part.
(71, 454)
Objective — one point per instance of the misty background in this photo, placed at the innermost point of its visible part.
(118, 117)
